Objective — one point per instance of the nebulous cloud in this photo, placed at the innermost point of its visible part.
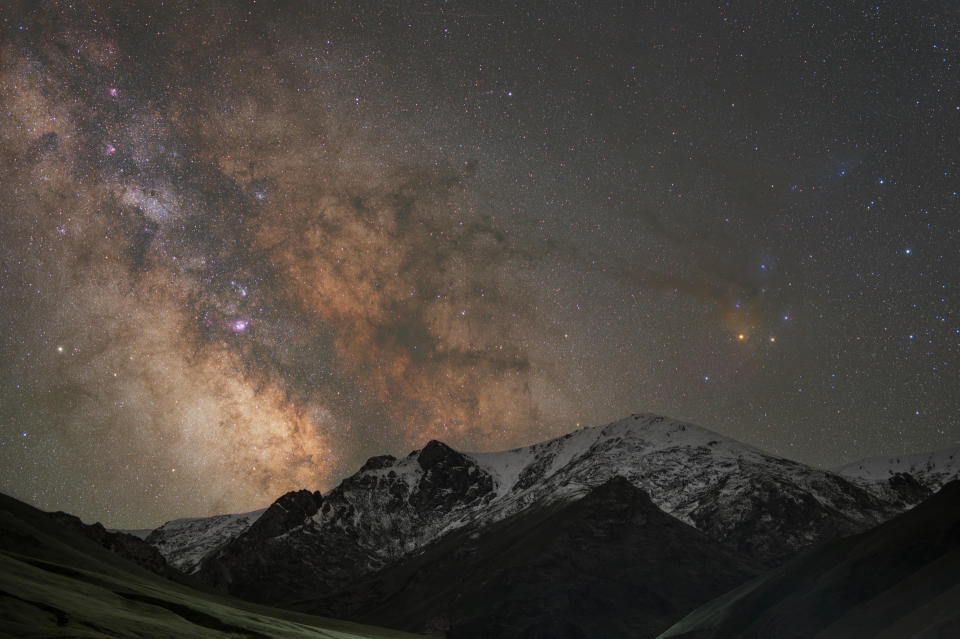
(253, 287)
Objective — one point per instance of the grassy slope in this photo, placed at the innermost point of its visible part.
(54, 583)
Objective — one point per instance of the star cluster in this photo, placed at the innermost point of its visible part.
(246, 245)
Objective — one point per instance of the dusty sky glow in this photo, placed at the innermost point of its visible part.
(247, 245)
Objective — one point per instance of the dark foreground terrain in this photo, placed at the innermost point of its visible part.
(901, 579)
(639, 528)
(59, 578)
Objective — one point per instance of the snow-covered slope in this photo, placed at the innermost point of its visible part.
(732, 491)
(933, 470)
(755, 503)
(184, 542)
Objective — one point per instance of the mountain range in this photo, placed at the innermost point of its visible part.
(403, 531)
(644, 526)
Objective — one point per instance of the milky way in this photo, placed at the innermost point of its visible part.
(247, 245)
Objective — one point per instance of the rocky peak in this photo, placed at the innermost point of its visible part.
(449, 479)
(437, 454)
(378, 462)
(291, 510)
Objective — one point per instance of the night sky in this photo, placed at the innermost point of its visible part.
(246, 245)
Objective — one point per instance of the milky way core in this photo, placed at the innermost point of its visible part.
(246, 245)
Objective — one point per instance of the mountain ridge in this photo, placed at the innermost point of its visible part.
(758, 504)
(934, 469)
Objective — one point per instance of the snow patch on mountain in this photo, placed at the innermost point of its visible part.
(575, 463)
(933, 469)
(184, 542)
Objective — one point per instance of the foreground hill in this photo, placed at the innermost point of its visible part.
(60, 578)
(898, 580)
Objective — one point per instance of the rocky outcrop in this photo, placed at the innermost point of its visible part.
(449, 479)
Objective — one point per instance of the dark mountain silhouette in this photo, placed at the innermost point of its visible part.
(901, 579)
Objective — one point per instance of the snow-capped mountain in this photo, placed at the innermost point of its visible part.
(740, 496)
(184, 542)
(933, 470)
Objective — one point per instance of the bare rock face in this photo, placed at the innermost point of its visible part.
(290, 511)
(448, 479)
